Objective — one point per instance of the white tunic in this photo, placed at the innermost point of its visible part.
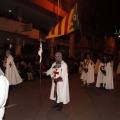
(89, 76)
(105, 79)
(11, 72)
(62, 86)
(4, 86)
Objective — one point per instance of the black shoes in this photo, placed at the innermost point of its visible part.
(58, 106)
(55, 105)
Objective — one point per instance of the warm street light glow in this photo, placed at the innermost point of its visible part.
(119, 36)
(8, 39)
(10, 11)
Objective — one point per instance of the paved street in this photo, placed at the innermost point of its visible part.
(86, 103)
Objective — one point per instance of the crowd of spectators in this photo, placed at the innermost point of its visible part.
(29, 67)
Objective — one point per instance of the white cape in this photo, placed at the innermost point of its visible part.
(4, 86)
(62, 87)
(108, 79)
(11, 72)
(89, 76)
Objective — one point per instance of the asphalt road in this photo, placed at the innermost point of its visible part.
(26, 102)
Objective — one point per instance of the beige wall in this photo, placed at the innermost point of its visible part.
(16, 27)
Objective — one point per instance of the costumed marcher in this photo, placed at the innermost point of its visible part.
(4, 88)
(11, 71)
(105, 75)
(87, 75)
(60, 85)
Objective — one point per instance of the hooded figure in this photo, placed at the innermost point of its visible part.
(58, 59)
(87, 75)
(11, 71)
(4, 86)
(60, 85)
(105, 75)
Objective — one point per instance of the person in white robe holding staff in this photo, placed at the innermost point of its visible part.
(60, 84)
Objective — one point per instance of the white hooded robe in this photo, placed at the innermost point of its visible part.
(89, 76)
(11, 72)
(62, 86)
(105, 79)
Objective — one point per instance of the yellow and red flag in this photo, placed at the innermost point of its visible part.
(68, 24)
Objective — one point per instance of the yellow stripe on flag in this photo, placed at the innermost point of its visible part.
(70, 22)
(65, 26)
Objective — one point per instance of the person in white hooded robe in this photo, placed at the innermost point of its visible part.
(105, 75)
(87, 75)
(11, 71)
(60, 85)
(4, 88)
